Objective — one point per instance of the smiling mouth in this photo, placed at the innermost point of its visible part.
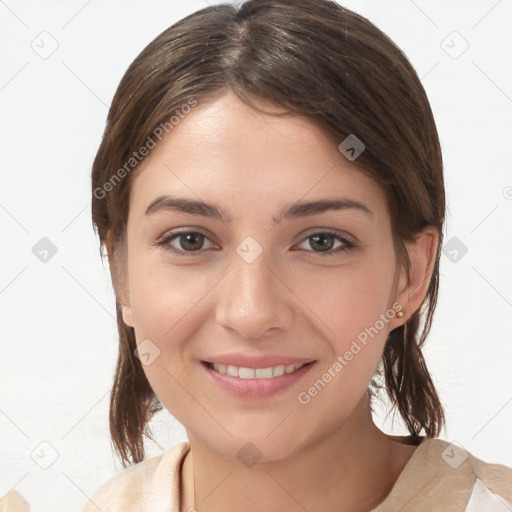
(255, 373)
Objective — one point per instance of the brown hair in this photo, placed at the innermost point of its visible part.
(315, 59)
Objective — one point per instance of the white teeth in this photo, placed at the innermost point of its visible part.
(231, 370)
(279, 370)
(263, 373)
(246, 373)
(256, 373)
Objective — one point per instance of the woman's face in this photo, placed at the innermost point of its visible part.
(242, 273)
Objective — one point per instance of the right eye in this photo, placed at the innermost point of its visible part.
(190, 242)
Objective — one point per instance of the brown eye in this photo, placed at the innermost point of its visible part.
(184, 242)
(326, 243)
(191, 241)
(322, 242)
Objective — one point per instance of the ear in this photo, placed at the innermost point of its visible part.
(118, 273)
(411, 292)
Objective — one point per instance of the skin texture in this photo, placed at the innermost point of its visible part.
(290, 301)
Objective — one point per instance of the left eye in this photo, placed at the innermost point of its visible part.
(325, 242)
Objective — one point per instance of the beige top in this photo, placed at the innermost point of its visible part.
(438, 476)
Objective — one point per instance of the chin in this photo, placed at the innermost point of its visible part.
(255, 446)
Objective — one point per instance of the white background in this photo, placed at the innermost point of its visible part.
(58, 331)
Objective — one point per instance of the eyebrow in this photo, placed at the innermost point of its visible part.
(290, 211)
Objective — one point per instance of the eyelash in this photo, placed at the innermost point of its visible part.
(165, 240)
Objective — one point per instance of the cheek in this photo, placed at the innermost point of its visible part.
(163, 299)
(166, 303)
(349, 300)
(345, 300)
(358, 320)
(354, 305)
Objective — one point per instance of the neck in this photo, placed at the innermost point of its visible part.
(352, 469)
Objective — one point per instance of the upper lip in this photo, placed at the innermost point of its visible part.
(261, 361)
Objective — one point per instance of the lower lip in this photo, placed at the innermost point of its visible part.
(256, 388)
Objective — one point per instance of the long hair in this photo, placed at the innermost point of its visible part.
(315, 59)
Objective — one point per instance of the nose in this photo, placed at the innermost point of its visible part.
(253, 299)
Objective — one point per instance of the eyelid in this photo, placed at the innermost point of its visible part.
(173, 234)
(328, 231)
(347, 240)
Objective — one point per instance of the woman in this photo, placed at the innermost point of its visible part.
(269, 192)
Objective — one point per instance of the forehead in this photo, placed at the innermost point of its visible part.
(229, 152)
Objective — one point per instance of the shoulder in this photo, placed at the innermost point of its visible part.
(150, 485)
(457, 464)
(492, 487)
(14, 502)
(444, 476)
